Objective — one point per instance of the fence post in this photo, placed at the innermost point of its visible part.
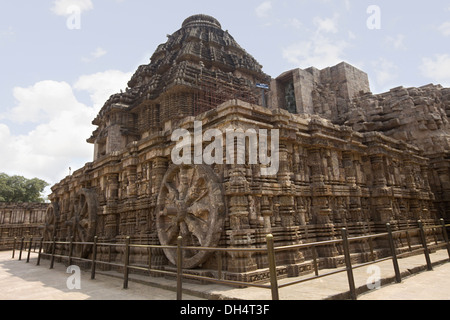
(29, 250)
(179, 268)
(94, 258)
(348, 263)
(372, 253)
(52, 261)
(398, 277)
(219, 265)
(126, 263)
(425, 246)
(408, 240)
(70, 250)
(40, 251)
(21, 247)
(149, 258)
(109, 256)
(445, 235)
(272, 267)
(316, 266)
(14, 248)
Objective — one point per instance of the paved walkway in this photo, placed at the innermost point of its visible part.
(26, 281)
(432, 285)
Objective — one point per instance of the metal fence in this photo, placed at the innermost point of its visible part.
(270, 250)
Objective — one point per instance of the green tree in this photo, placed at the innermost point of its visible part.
(19, 189)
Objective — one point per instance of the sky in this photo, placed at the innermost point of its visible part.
(60, 60)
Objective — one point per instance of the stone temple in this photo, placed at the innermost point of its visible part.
(347, 158)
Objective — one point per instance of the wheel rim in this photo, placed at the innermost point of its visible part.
(51, 219)
(190, 204)
(83, 222)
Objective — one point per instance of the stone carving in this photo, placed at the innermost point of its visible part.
(82, 222)
(343, 163)
(19, 220)
(51, 219)
(290, 98)
(190, 204)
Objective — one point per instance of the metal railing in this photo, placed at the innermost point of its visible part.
(270, 250)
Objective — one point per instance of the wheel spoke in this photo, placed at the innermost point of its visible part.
(196, 195)
(83, 210)
(193, 177)
(197, 227)
(173, 192)
(169, 211)
(188, 206)
(188, 240)
(171, 232)
(184, 182)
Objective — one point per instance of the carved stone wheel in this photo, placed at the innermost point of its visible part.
(83, 222)
(51, 219)
(190, 204)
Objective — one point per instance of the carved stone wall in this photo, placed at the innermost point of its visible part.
(330, 177)
(418, 116)
(343, 161)
(326, 92)
(21, 220)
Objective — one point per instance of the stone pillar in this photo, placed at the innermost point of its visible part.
(112, 195)
(267, 213)
(159, 169)
(237, 190)
(321, 207)
(378, 170)
(409, 174)
(287, 204)
(382, 195)
(444, 192)
(350, 172)
(131, 188)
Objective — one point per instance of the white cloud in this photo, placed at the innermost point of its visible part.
(96, 54)
(385, 72)
(56, 143)
(42, 101)
(102, 85)
(320, 52)
(445, 29)
(437, 68)
(262, 11)
(327, 25)
(293, 23)
(99, 52)
(9, 32)
(65, 7)
(351, 35)
(62, 125)
(347, 5)
(397, 42)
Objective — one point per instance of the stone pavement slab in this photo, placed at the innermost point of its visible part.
(333, 287)
(433, 285)
(26, 281)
